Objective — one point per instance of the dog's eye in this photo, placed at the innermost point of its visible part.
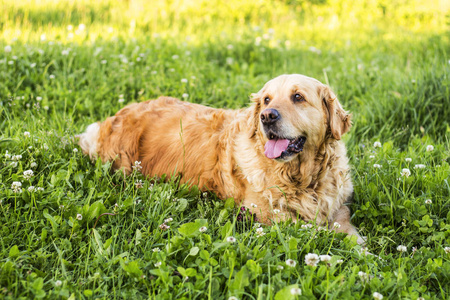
(299, 98)
(266, 100)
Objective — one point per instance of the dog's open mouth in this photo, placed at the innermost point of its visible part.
(278, 147)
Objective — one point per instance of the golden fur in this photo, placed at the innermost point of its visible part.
(223, 150)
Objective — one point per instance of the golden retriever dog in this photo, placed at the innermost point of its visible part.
(282, 157)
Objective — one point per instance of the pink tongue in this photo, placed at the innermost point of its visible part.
(273, 148)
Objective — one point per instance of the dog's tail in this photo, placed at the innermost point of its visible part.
(88, 140)
(115, 139)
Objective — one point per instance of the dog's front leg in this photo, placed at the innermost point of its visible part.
(342, 218)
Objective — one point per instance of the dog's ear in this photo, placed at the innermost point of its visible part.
(253, 120)
(339, 121)
(254, 97)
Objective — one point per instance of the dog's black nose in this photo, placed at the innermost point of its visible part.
(270, 116)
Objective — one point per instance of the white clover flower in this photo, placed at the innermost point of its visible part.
(184, 80)
(65, 52)
(81, 27)
(158, 264)
(260, 231)
(27, 134)
(79, 217)
(16, 186)
(7, 155)
(296, 291)
(430, 148)
(33, 165)
(231, 239)
(336, 225)
(363, 275)
(171, 70)
(279, 267)
(325, 258)
(103, 62)
(175, 57)
(168, 220)
(405, 172)
(230, 47)
(428, 201)
(307, 226)
(28, 174)
(52, 76)
(291, 263)
(447, 250)
(156, 249)
(154, 72)
(185, 95)
(203, 229)
(13, 164)
(339, 261)
(40, 189)
(408, 159)
(377, 296)
(377, 166)
(8, 48)
(229, 60)
(419, 166)
(58, 283)
(422, 298)
(137, 166)
(402, 248)
(276, 211)
(253, 205)
(205, 194)
(377, 145)
(16, 157)
(75, 150)
(139, 184)
(38, 98)
(233, 298)
(70, 27)
(371, 156)
(311, 259)
(31, 189)
(32, 65)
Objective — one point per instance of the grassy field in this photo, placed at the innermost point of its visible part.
(66, 64)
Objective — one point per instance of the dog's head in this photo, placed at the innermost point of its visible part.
(294, 112)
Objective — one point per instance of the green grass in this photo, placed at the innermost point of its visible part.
(389, 64)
